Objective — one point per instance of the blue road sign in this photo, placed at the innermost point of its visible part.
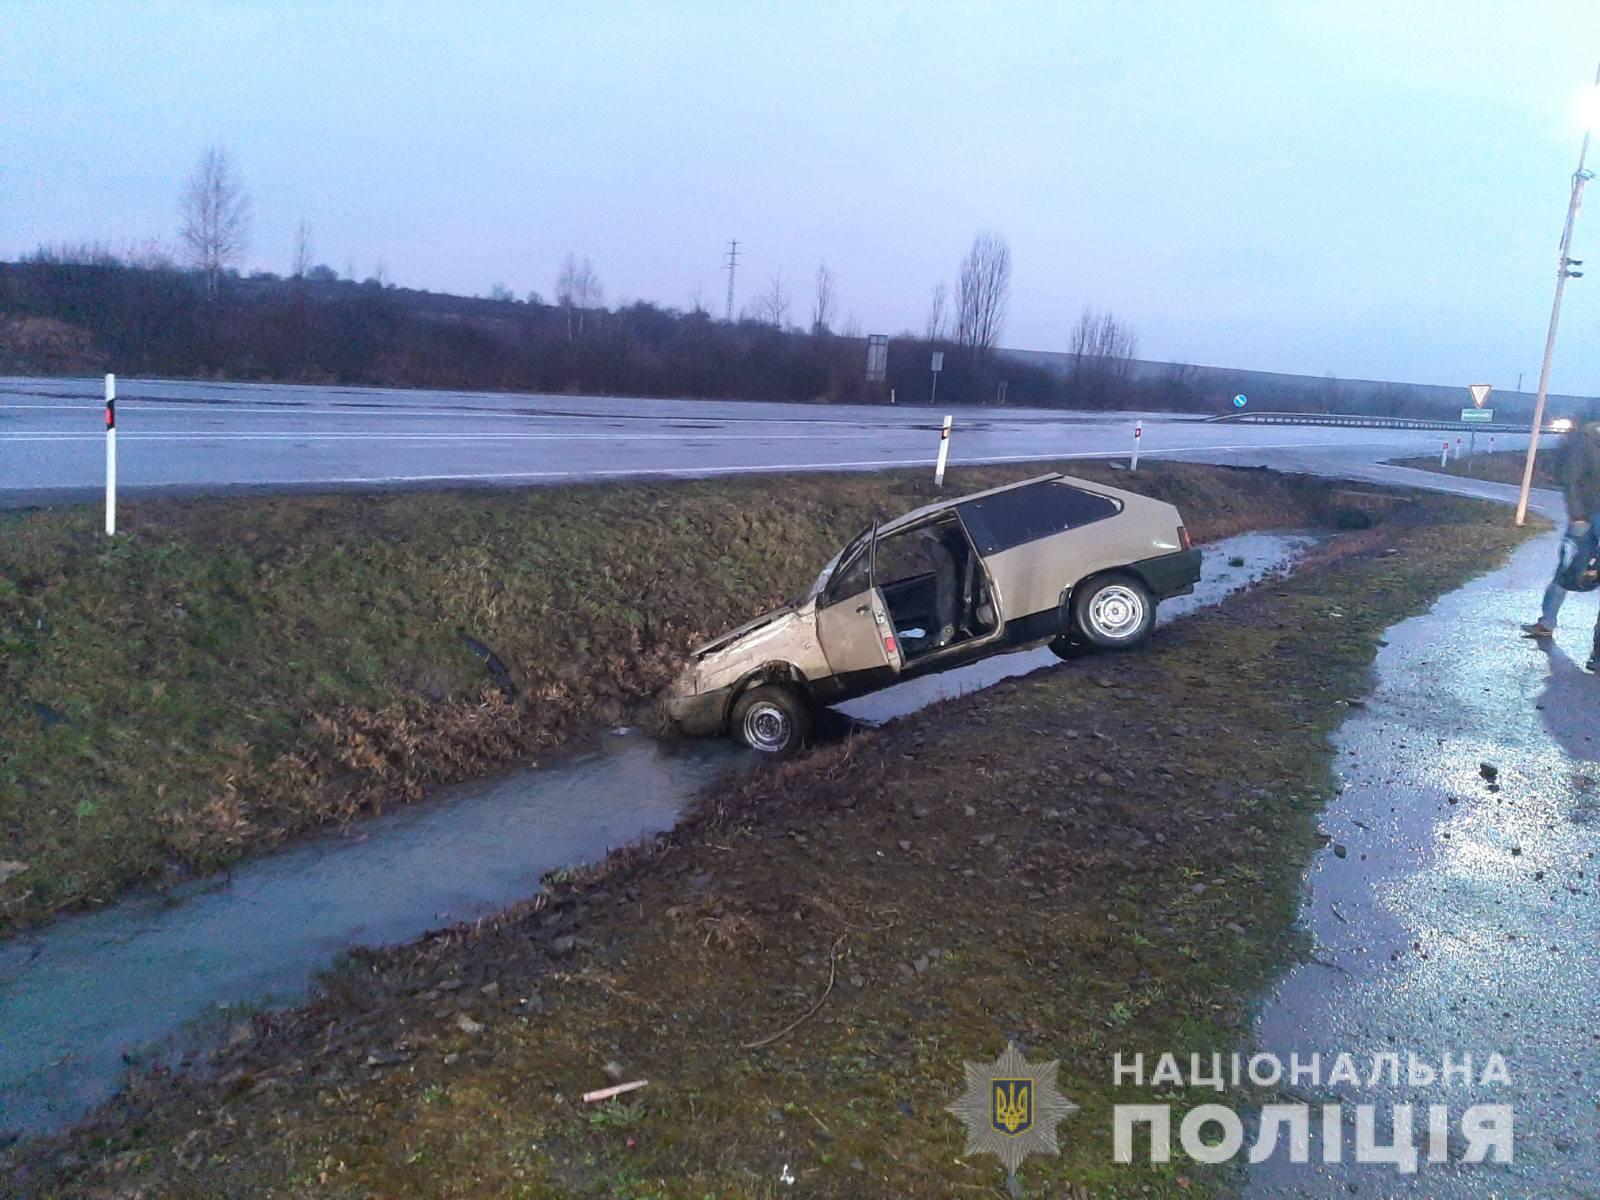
(1239, 401)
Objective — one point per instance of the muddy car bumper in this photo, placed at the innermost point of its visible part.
(1170, 575)
(700, 713)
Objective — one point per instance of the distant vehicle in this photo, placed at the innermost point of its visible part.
(1052, 560)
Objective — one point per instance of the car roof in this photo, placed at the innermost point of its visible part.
(928, 510)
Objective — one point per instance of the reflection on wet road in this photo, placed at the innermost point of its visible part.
(201, 437)
(1455, 913)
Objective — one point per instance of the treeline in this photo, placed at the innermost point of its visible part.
(88, 311)
(61, 314)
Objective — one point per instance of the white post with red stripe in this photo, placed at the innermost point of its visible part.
(1444, 455)
(111, 455)
(944, 452)
(1138, 435)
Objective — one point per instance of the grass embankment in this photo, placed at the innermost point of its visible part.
(1503, 466)
(1104, 857)
(227, 674)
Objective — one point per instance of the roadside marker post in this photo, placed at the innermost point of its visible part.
(1138, 433)
(1444, 455)
(1458, 449)
(111, 455)
(944, 452)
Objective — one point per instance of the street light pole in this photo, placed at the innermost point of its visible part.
(1564, 265)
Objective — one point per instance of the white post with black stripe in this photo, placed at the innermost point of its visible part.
(1138, 436)
(111, 455)
(944, 452)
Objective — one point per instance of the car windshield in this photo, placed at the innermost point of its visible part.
(852, 548)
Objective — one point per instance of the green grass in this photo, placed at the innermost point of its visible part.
(1077, 929)
(230, 673)
(1502, 466)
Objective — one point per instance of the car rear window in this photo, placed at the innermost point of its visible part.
(1026, 514)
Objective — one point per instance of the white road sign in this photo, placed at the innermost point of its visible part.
(1480, 393)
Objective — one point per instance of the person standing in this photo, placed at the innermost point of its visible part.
(1578, 469)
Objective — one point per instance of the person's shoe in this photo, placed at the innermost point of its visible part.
(1538, 629)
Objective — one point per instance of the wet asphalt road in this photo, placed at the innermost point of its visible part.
(1461, 917)
(188, 438)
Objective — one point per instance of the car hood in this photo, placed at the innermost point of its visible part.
(733, 635)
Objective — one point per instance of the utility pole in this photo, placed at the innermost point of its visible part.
(1564, 265)
(730, 266)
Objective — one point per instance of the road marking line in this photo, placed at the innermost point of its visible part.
(693, 472)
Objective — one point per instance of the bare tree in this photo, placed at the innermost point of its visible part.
(938, 303)
(150, 255)
(216, 216)
(822, 308)
(772, 306)
(1102, 349)
(1180, 386)
(697, 301)
(577, 289)
(302, 249)
(982, 294)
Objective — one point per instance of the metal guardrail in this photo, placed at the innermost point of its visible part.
(1363, 421)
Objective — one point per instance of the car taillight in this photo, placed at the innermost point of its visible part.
(888, 644)
(1183, 538)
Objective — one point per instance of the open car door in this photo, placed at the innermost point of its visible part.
(853, 620)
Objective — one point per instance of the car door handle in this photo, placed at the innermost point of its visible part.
(863, 608)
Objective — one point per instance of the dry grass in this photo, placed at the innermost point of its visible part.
(1104, 857)
(231, 673)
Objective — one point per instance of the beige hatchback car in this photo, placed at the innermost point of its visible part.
(1054, 560)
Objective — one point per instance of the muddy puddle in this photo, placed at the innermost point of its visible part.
(153, 976)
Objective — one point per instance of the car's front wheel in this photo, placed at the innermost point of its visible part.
(772, 718)
(1113, 611)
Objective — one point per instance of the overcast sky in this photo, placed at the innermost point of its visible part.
(1369, 188)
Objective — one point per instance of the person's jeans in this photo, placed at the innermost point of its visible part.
(1554, 597)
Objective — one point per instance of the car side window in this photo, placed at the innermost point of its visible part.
(1026, 514)
(851, 576)
(850, 581)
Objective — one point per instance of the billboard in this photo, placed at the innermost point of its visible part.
(877, 357)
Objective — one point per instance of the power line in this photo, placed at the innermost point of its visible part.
(730, 266)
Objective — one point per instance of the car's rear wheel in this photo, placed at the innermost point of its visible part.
(771, 718)
(1113, 611)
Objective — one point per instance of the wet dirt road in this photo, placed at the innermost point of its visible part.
(1454, 913)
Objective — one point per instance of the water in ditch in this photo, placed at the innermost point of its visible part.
(86, 996)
